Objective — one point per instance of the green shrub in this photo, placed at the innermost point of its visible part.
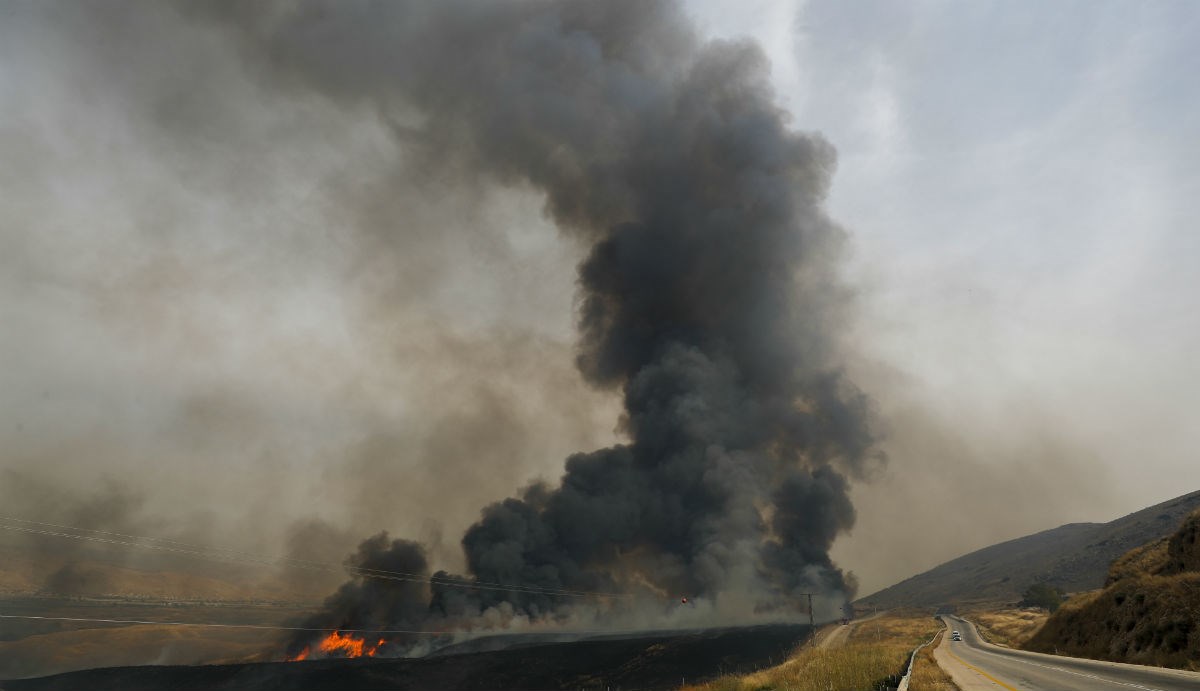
(1042, 595)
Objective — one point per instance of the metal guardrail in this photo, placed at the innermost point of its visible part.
(903, 686)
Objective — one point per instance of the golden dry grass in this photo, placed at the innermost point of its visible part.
(927, 675)
(1149, 620)
(875, 650)
(1183, 551)
(1148, 612)
(1149, 558)
(902, 625)
(1009, 627)
(139, 644)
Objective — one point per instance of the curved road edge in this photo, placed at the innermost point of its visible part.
(977, 676)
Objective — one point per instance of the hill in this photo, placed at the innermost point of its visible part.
(1148, 612)
(1072, 557)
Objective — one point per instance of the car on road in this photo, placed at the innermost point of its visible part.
(955, 636)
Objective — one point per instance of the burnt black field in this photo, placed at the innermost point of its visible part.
(655, 661)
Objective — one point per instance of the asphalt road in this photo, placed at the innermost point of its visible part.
(976, 665)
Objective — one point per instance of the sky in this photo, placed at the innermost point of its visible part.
(206, 328)
(1018, 179)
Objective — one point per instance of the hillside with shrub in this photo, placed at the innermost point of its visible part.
(1071, 558)
(1148, 612)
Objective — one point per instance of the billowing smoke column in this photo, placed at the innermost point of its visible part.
(709, 297)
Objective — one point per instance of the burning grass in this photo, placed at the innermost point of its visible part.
(876, 650)
(338, 645)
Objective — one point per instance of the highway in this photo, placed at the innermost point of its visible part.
(976, 665)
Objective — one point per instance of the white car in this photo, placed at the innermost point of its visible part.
(955, 636)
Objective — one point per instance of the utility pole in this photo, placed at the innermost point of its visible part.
(812, 625)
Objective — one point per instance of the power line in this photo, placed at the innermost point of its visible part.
(231, 556)
(199, 549)
(110, 532)
(207, 552)
(220, 626)
(240, 557)
(272, 627)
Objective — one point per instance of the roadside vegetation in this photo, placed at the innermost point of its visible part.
(1009, 627)
(876, 651)
(1148, 613)
(927, 675)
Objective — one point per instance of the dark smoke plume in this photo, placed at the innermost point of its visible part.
(709, 298)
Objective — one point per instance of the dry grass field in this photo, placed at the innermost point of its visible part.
(93, 584)
(129, 645)
(40, 647)
(1008, 627)
(875, 651)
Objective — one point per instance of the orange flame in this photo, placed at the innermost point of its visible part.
(337, 645)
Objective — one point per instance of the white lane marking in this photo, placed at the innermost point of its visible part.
(1087, 676)
(1107, 680)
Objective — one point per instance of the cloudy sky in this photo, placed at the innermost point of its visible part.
(205, 326)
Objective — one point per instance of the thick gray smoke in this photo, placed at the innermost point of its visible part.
(709, 298)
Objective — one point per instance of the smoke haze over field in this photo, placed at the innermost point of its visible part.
(708, 296)
(280, 277)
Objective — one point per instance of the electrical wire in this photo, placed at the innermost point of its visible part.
(379, 574)
(220, 626)
(573, 632)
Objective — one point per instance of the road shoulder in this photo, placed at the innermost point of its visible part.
(965, 676)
